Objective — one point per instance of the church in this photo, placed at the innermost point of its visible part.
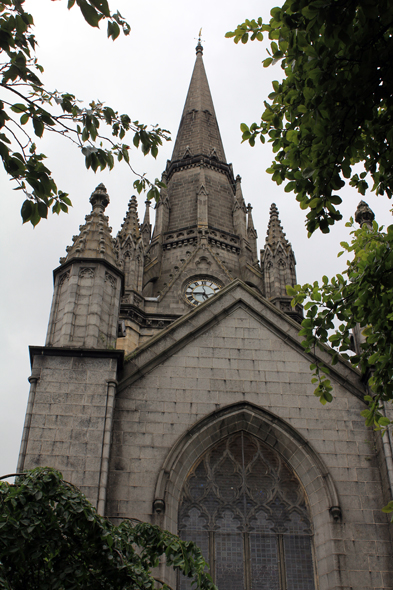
(173, 387)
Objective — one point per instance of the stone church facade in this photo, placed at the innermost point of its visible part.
(173, 387)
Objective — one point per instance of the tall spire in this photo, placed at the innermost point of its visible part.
(198, 131)
(201, 217)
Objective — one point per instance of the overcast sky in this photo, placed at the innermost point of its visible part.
(145, 75)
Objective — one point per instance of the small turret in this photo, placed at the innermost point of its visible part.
(162, 210)
(146, 225)
(252, 234)
(363, 216)
(130, 246)
(130, 225)
(278, 265)
(239, 210)
(94, 239)
(87, 285)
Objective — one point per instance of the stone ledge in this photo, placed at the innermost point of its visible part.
(118, 355)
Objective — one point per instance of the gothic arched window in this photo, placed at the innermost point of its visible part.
(248, 513)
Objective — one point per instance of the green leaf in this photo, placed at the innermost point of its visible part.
(19, 108)
(113, 30)
(42, 211)
(26, 211)
(290, 187)
(102, 6)
(91, 16)
(38, 126)
(383, 421)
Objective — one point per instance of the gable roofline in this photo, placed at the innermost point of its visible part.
(173, 338)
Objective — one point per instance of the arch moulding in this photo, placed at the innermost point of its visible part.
(292, 446)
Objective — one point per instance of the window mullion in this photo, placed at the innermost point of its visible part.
(247, 561)
(281, 563)
(212, 556)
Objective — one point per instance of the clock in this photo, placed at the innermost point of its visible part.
(200, 290)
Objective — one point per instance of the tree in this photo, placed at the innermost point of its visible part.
(361, 300)
(29, 109)
(52, 538)
(334, 107)
(334, 110)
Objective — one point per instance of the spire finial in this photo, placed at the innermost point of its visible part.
(199, 48)
(147, 213)
(95, 237)
(275, 232)
(130, 225)
(364, 214)
(99, 197)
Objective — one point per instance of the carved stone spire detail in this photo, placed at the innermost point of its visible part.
(130, 247)
(95, 239)
(364, 214)
(275, 232)
(252, 234)
(278, 264)
(146, 225)
(202, 200)
(130, 225)
(239, 210)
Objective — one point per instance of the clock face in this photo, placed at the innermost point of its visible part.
(199, 291)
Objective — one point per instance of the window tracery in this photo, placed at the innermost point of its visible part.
(248, 513)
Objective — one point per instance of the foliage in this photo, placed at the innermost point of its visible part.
(334, 107)
(389, 509)
(52, 538)
(362, 295)
(38, 110)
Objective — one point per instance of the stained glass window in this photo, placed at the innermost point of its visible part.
(248, 513)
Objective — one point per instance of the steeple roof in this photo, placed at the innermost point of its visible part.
(275, 233)
(198, 131)
(95, 239)
(130, 225)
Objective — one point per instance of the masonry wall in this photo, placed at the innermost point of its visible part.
(66, 428)
(240, 359)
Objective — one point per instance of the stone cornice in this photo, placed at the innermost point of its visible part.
(197, 160)
(82, 260)
(77, 352)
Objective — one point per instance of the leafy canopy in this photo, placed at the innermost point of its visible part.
(28, 109)
(334, 110)
(334, 107)
(360, 296)
(51, 538)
